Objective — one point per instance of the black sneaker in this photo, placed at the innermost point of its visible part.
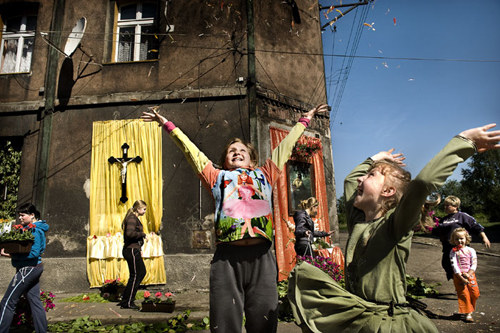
(131, 306)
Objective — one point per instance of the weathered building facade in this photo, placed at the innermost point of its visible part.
(219, 69)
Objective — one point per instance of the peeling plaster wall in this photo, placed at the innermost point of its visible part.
(195, 80)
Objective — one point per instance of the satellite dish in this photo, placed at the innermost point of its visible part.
(75, 37)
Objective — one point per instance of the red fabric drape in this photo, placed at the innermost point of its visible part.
(284, 236)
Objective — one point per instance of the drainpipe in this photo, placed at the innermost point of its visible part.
(47, 112)
(251, 83)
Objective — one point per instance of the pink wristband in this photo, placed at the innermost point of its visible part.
(304, 121)
(169, 126)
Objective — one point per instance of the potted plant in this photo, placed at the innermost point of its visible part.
(158, 302)
(112, 289)
(18, 240)
(23, 318)
(331, 268)
(303, 151)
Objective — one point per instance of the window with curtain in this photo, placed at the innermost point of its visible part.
(18, 39)
(136, 32)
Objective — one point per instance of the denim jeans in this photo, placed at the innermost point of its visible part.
(25, 281)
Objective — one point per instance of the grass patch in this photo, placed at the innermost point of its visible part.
(93, 298)
(488, 224)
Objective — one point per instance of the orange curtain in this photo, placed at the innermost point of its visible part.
(284, 235)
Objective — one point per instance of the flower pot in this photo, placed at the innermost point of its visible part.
(158, 307)
(22, 247)
(112, 293)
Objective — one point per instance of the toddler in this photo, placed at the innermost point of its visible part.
(464, 262)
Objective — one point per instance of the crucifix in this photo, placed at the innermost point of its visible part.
(124, 160)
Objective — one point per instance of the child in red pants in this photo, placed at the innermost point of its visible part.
(464, 262)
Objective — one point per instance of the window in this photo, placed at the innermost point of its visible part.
(18, 39)
(136, 29)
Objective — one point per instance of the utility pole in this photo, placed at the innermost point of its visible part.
(48, 110)
(252, 81)
(351, 6)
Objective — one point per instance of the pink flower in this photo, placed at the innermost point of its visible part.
(158, 294)
(147, 294)
(169, 294)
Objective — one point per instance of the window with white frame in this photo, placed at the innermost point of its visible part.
(18, 39)
(136, 32)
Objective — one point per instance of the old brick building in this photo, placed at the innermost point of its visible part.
(219, 69)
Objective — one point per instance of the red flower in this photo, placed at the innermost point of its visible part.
(147, 294)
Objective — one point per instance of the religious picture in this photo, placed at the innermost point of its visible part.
(300, 183)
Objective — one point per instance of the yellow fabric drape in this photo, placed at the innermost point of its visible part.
(144, 182)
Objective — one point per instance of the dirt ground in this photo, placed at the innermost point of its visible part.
(425, 262)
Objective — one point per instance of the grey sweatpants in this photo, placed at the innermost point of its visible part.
(243, 281)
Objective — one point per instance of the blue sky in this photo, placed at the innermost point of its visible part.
(415, 106)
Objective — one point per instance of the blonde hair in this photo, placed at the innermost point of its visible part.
(453, 236)
(251, 151)
(308, 203)
(452, 201)
(133, 210)
(395, 176)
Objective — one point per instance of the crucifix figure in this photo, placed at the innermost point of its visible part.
(124, 160)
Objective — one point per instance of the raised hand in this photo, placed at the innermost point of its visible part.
(388, 155)
(153, 115)
(311, 113)
(483, 139)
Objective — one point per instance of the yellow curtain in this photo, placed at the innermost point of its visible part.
(144, 182)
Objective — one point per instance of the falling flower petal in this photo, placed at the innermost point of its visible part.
(394, 20)
(370, 25)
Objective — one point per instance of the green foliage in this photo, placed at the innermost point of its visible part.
(18, 233)
(341, 212)
(94, 298)
(326, 265)
(482, 183)
(10, 168)
(482, 218)
(178, 323)
(23, 316)
(284, 309)
(479, 189)
(86, 298)
(416, 288)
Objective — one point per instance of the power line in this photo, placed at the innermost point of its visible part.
(244, 50)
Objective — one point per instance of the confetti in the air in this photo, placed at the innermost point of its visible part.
(370, 25)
